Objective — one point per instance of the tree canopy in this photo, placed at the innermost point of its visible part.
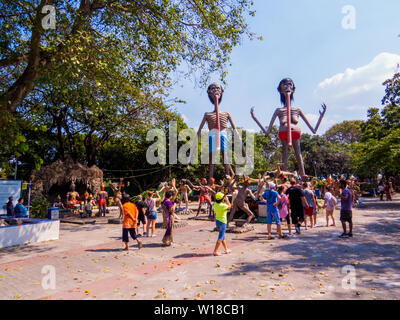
(138, 42)
(345, 132)
(378, 150)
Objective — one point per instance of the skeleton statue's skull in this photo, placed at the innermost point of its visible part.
(214, 91)
(286, 86)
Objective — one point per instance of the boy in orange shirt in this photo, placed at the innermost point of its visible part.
(130, 223)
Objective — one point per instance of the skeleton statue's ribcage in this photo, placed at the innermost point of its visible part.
(282, 114)
(212, 120)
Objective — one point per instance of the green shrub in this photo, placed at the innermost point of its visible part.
(39, 208)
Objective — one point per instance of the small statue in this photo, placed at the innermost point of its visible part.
(205, 190)
(286, 89)
(118, 201)
(72, 198)
(217, 125)
(239, 202)
(102, 200)
(185, 191)
(86, 196)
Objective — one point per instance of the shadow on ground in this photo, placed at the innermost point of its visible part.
(373, 250)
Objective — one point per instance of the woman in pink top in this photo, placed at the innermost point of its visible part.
(283, 208)
(151, 212)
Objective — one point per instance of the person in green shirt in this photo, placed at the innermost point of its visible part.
(221, 208)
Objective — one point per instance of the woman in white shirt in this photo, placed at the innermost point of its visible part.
(329, 205)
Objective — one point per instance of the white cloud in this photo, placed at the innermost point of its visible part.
(352, 92)
(361, 80)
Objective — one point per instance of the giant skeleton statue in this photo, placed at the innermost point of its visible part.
(286, 89)
(217, 125)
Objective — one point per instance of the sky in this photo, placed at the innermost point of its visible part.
(310, 42)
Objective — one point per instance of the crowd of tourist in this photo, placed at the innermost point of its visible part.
(296, 203)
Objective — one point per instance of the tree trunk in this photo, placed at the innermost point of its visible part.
(60, 138)
(13, 97)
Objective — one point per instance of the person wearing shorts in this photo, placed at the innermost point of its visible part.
(221, 219)
(272, 198)
(283, 208)
(329, 206)
(130, 223)
(297, 203)
(151, 212)
(141, 216)
(312, 205)
(346, 213)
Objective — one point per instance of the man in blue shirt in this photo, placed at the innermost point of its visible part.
(346, 213)
(20, 211)
(272, 198)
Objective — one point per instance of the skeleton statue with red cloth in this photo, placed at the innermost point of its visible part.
(286, 89)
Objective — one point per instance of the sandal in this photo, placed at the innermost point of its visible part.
(271, 238)
(217, 254)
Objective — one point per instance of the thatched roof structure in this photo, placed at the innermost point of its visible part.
(61, 173)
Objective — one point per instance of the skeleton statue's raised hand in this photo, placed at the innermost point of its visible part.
(322, 113)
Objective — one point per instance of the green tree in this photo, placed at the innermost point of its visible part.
(373, 127)
(378, 150)
(144, 40)
(322, 158)
(345, 132)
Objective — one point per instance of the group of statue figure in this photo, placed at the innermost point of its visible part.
(288, 115)
(73, 201)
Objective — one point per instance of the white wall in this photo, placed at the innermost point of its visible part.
(43, 230)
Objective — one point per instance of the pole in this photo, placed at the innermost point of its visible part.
(16, 167)
(289, 119)
(29, 198)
